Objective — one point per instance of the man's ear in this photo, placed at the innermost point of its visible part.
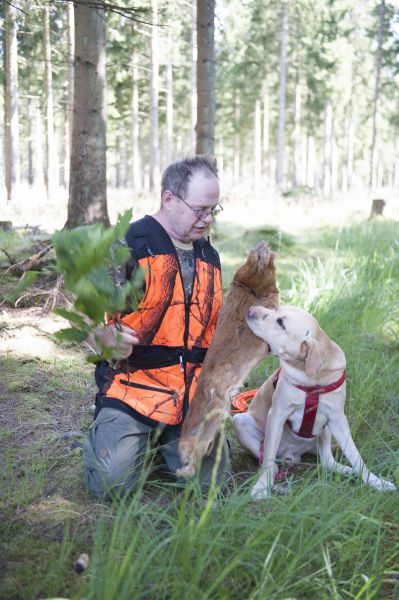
(310, 351)
(167, 199)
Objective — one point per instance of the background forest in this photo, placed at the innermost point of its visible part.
(303, 97)
(299, 102)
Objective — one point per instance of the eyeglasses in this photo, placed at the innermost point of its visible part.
(203, 212)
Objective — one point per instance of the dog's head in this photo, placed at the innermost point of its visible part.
(294, 335)
(258, 273)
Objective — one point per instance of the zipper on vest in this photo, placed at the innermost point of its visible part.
(187, 304)
(187, 329)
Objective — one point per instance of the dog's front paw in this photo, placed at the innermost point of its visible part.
(260, 492)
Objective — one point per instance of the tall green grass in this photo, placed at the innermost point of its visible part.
(328, 536)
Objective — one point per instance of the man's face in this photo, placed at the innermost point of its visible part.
(202, 193)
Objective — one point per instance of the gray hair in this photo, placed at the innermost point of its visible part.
(177, 176)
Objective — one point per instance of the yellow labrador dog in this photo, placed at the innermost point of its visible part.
(300, 406)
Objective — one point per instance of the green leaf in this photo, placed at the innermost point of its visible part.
(94, 358)
(86, 256)
(71, 316)
(71, 335)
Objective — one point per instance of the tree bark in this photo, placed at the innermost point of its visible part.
(373, 149)
(11, 119)
(169, 110)
(327, 166)
(310, 162)
(257, 146)
(154, 173)
(193, 92)
(30, 141)
(39, 162)
(69, 117)
(296, 138)
(50, 177)
(334, 162)
(118, 161)
(347, 167)
(88, 185)
(396, 168)
(205, 127)
(280, 167)
(137, 180)
(220, 157)
(237, 144)
(266, 133)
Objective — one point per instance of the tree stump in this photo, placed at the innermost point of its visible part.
(6, 225)
(377, 208)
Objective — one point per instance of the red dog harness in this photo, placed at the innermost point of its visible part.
(309, 413)
(311, 404)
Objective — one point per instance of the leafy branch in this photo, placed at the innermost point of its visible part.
(87, 257)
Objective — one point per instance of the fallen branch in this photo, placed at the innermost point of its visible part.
(29, 264)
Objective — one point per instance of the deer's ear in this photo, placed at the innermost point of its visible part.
(272, 257)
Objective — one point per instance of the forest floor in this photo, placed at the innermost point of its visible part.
(47, 518)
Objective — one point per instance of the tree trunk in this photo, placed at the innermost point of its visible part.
(334, 162)
(258, 146)
(266, 133)
(220, 157)
(237, 148)
(347, 168)
(193, 92)
(39, 162)
(11, 125)
(124, 159)
(48, 77)
(169, 110)
(30, 141)
(327, 149)
(296, 138)
(310, 162)
(281, 100)
(396, 168)
(118, 161)
(380, 173)
(373, 150)
(154, 173)
(205, 127)
(69, 117)
(137, 180)
(88, 183)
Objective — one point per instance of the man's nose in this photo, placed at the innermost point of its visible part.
(207, 218)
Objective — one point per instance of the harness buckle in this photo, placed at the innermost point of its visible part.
(181, 361)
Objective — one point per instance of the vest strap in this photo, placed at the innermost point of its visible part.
(157, 357)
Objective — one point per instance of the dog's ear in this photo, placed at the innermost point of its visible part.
(310, 351)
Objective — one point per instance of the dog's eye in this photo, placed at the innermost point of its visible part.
(280, 322)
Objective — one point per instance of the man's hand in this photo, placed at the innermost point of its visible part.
(121, 340)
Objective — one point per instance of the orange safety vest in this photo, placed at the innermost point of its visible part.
(158, 380)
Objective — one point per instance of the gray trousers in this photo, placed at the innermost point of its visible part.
(116, 451)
